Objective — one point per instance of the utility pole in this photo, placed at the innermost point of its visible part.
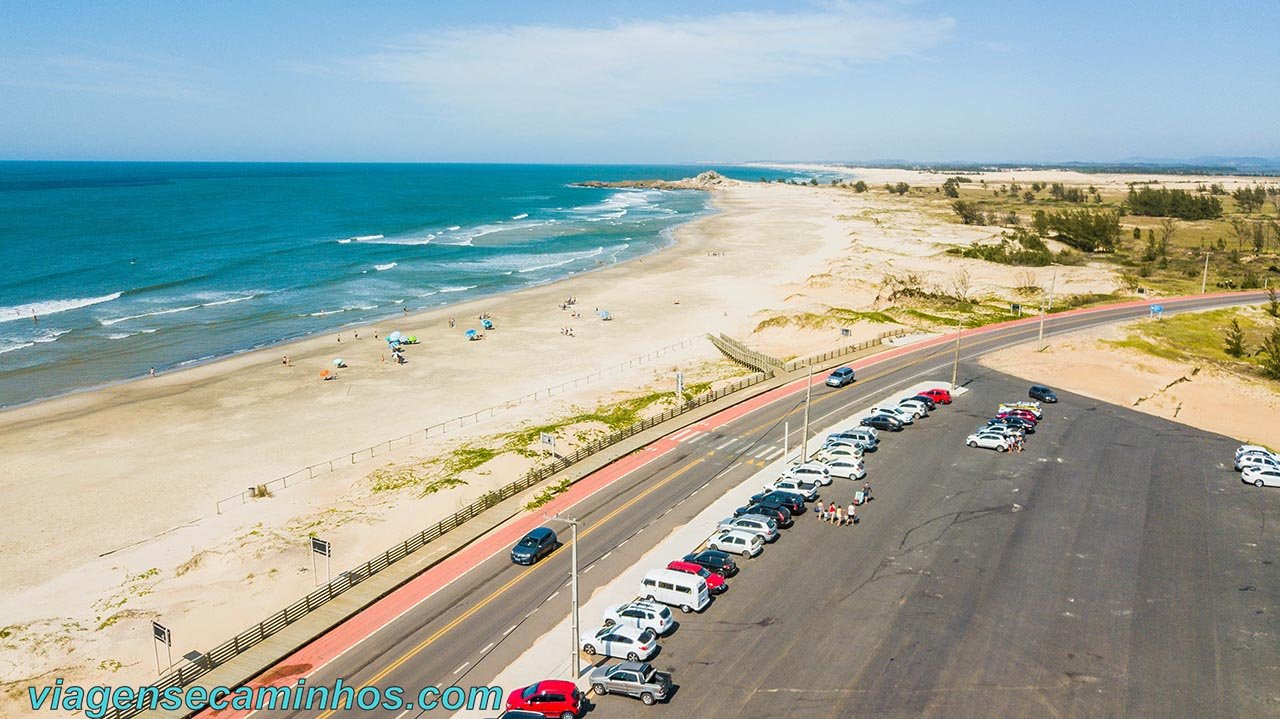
(1045, 309)
(575, 661)
(1204, 282)
(808, 394)
(786, 438)
(955, 364)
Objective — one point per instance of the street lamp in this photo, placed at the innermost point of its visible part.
(575, 661)
(1045, 309)
(808, 394)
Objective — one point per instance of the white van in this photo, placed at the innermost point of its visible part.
(686, 591)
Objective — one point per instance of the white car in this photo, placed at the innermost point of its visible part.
(848, 468)
(920, 407)
(623, 642)
(897, 413)
(1261, 476)
(827, 454)
(1251, 449)
(1003, 430)
(754, 523)
(736, 541)
(988, 440)
(848, 443)
(815, 472)
(802, 487)
(1032, 407)
(1257, 459)
(641, 615)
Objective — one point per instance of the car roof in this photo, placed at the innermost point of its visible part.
(631, 666)
(540, 533)
(555, 685)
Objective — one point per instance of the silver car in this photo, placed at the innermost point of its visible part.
(634, 679)
(753, 523)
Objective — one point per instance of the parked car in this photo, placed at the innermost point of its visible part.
(1004, 430)
(917, 406)
(753, 523)
(641, 615)
(882, 421)
(851, 444)
(1257, 459)
(793, 502)
(939, 395)
(1033, 407)
(866, 437)
(634, 679)
(829, 454)
(1042, 393)
(815, 472)
(1260, 476)
(736, 541)
(676, 589)
(520, 714)
(988, 440)
(621, 641)
(535, 545)
(1019, 413)
(715, 582)
(1022, 424)
(929, 401)
(549, 698)
(848, 468)
(772, 510)
(904, 416)
(804, 488)
(1252, 449)
(715, 561)
(840, 377)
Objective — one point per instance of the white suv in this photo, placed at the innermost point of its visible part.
(815, 472)
(903, 415)
(736, 541)
(804, 488)
(642, 615)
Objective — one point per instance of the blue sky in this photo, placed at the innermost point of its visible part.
(628, 81)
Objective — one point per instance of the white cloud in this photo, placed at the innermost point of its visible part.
(547, 71)
(116, 74)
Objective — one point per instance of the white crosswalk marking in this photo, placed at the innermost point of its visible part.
(679, 436)
(776, 452)
(726, 443)
(762, 452)
(698, 437)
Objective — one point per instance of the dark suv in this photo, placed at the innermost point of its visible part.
(535, 545)
(777, 512)
(1041, 393)
(793, 502)
(715, 561)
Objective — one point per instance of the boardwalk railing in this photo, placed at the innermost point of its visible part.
(797, 363)
(744, 355)
(204, 663)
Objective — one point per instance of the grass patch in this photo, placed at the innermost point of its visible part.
(548, 494)
(1199, 336)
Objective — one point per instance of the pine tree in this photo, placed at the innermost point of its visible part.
(1271, 352)
(1273, 303)
(1234, 344)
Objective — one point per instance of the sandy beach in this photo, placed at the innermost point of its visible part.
(110, 520)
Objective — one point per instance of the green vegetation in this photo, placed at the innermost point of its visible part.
(548, 494)
(1206, 336)
(1019, 247)
(1270, 354)
(1233, 344)
(1086, 230)
(1173, 203)
(859, 186)
(833, 318)
(1273, 303)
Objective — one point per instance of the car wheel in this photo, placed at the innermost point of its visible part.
(651, 598)
(973, 444)
(684, 608)
(633, 657)
(1001, 448)
(609, 622)
(599, 689)
(647, 698)
(1257, 483)
(567, 715)
(590, 650)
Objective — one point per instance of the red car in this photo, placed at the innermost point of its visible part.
(715, 582)
(1021, 414)
(939, 395)
(550, 698)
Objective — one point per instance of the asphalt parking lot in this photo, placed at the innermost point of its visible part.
(1117, 567)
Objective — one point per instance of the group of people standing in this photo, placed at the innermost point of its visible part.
(835, 514)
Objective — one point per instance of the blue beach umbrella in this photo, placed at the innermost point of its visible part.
(393, 337)
(471, 334)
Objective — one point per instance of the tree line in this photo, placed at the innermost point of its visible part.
(1181, 204)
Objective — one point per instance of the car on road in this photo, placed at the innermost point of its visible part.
(736, 541)
(753, 523)
(1041, 393)
(840, 377)
(1260, 476)
(845, 468)
(903, 415)
(715, 582)
(714, 561)
(623, 642)
(988, 440)
(804, 488)
(882, 421)
(641, 615)
(793, 502)
(548, 698)
(815, 472)
(535, 545)
(1257, 459)
(938, 394)
(634, 679)
(1020, 423)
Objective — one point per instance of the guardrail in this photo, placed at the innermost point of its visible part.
(744, 355)
(435, 430)
(797, 363)
(273, 624)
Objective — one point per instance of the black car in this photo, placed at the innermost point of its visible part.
(793, 502)
(535, 545)
(929, 401)
(882, 421)
(713, 560)
(777, 512)
(1042, 394)
(1020, 423)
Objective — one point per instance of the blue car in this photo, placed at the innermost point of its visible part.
(534, 546)
(841, 377)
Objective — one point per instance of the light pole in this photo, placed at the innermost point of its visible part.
(575, 661)
(1204, 281)
(808, 394)
(1044, 309)
(955, 364)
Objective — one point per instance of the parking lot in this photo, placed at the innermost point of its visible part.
(1117, 567)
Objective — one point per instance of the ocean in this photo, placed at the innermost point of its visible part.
(113, 268)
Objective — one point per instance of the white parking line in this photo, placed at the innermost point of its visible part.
(726, 443)
(459, 669)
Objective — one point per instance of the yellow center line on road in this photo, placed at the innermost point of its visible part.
(516, 580)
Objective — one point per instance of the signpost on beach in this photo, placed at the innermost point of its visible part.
(845, 332)
(324, 549)
(160, 633)
(1157, 311)
(680, 386)
(549, 440)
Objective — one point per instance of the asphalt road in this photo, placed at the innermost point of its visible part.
(978, 584)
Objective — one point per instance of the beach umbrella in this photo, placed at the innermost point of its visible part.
(324, 373)
(413, 339)
(338, 362)
(393, 337)
(471, 334)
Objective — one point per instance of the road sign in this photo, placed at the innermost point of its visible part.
(547, 438)
(162, 633)
(680, 383)
(1157, 310)
(845, 332)
(1015, 308)
(321, 547)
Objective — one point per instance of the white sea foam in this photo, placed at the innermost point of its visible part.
(385, 267)
(185, 308)
(51, 307)
(366, 238)
(564, 259)
(344, 242)
(380, 240)
(14, 348)
(455, 228)
(457, 289)
(520, 216)
(120, 335)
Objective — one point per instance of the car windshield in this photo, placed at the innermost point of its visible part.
(528, 542)
(529, 691)
(646, 636)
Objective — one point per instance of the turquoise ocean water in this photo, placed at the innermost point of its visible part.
(127, 266)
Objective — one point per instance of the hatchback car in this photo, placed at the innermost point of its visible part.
(1041, 393)
(929, 401)
(550, 698)
(841, 377)
(753, 523)
(715, 582)
(939, 395)
(815, 472)
(641, 615)
(736, 541)
(634, 679)
(848, 468)
(1019, 413)
(715, 561)
(1257, 459)
(904, 415)
(988, 440)
(623, 642)
(772, 510)
(1251, 449)
(535, 545)
(916, 406)
(1022, 424)
(1260, 476)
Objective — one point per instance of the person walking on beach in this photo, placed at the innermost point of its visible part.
(853, 514)
(820, 508)
(451, 323)
(151, 372)
(839, 516)
(866, 492)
